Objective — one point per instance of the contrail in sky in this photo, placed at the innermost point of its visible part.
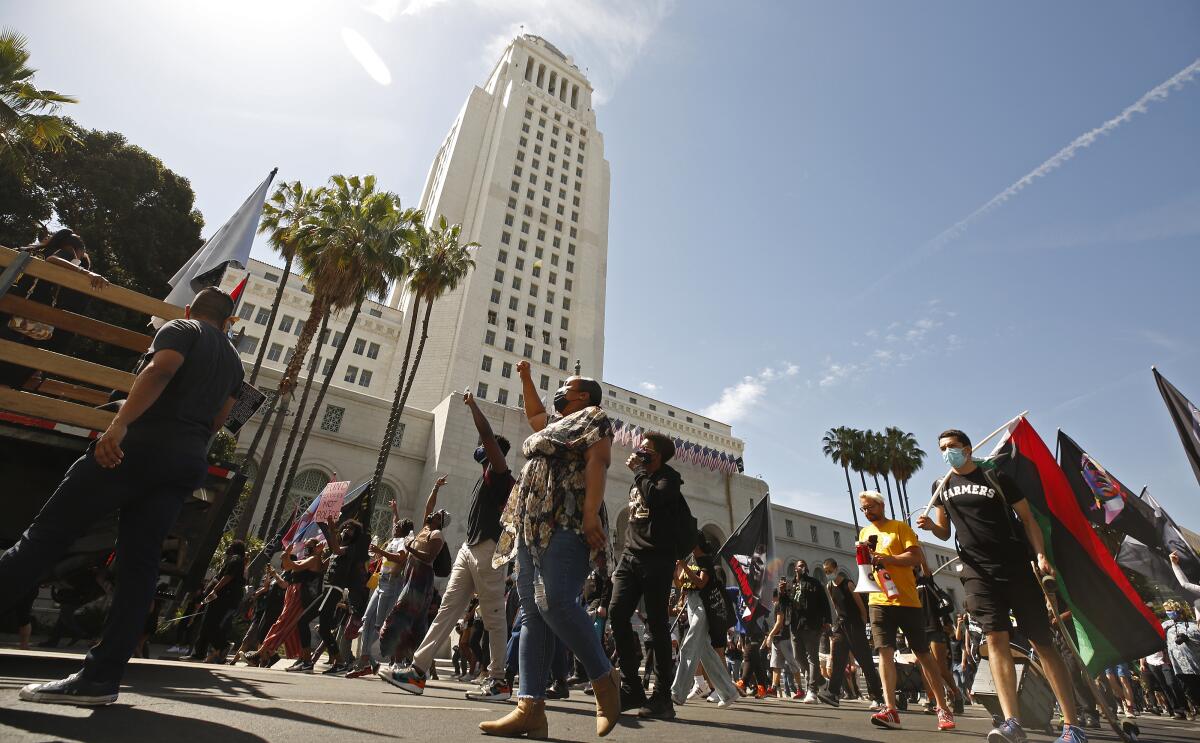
(1157, 94)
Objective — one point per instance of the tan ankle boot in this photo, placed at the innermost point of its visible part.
(528, 719)
(608, 702)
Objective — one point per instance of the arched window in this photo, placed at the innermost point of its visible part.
(541, 77)
(553, 83)
(574, 96)
(529, 69)
(307, 485)
(381, 519)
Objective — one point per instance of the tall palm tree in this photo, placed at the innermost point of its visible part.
(911, 459)
(27, 113)
(875, 460)
(891, 439)
(353, 227)
(284, 217)
(836, 444)
(440, 261)
(372, 283)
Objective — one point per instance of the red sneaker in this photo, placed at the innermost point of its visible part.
(888, 719)
(760, 692)
(945, 719)
(771, 692)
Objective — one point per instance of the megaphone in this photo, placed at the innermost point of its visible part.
(866, 579)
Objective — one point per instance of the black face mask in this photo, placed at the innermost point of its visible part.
(560, 400)
(480, 454)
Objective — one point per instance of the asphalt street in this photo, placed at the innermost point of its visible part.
(177, 702)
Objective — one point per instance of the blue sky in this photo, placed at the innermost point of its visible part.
(784, 179)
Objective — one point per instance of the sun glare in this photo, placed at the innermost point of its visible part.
(362, 51)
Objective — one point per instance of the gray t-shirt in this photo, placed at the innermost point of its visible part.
(211, 373)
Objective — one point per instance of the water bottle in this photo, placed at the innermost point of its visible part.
(889, 585)
(539, 592)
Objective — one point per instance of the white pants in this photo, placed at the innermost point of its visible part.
(471, 575)
(695, 650)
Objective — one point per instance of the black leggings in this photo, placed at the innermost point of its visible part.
(313, 608)
(330, 618)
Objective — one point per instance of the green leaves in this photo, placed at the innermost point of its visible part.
(27, 113)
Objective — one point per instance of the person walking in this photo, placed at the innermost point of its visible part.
(220, 604)
(645, 571)
(809, 615)
(473, 573)
(895, 551)
(146, 463)
(849, 637)
(709, 618)
(998, 555)
(556, 527)
(1183, 649)
(383, 598)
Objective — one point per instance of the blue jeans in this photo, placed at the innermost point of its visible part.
(565, 566)
(382, 601)
(147, 489)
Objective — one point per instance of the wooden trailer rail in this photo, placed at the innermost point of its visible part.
(59, 398)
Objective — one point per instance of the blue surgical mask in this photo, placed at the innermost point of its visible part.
(1173, 616)
(954, 457)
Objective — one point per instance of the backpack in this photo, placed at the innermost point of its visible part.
(686, 530)
(441, 563)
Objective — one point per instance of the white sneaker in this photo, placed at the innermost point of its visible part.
(712, 697)
(810, 698)
(699, 690)
(875, 706)
(723, 704)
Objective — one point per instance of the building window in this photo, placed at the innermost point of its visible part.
(546, 357)
(487, 363)
(263, 316)
(502, 396)
(272, 277)
(247, 344)
(246, 312)
(351, 373)
(490, 337)
(812, 532)
(508, 345)
(564, 323)
(502, 256)
(499, 278)
(562, 363)
(274, 352)
(364, 379)
(332, 420)
(491, 317)
(506, 370)
(545, 382)
(327, 369)
(495, 296)
(360, 346)
(528, 351)
(567, 284)
(511, 324)
(566, 303)
(337, 339)
(285, 324)
(513, 304)
(519, 264)
(689, 419)
(670, 413)
(481, 391)
(505, 237)
(837, 539)
(373, 351)
(789, 528)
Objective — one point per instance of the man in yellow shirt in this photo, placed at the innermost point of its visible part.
(897, 550)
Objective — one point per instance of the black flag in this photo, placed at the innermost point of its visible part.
(1186, 417)
(1102, 497)
(1172, 540)
(750, 555)
(1137, 557)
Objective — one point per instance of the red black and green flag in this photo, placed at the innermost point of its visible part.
(1186, 417)
(1111, 623)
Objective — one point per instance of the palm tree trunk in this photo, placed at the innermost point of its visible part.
(853, 504)
(286, 385)
(368, 502)
(888, 484)
(268, 453)
(262, 349)
(389, 433)
(276, 497)
(316, 409)
(863, 478)
(878, 489)
(904, 491)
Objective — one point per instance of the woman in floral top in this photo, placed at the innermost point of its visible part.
(556, 527)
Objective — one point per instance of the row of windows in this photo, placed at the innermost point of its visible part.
(670, 413)
(489, 337)
(506, 368)
(248, 345)
(289, 324)
(481, 391)
(556, 85)
(789, 529)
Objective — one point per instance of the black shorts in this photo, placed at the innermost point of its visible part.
(990, 601)
(936, 635)
(886, 620)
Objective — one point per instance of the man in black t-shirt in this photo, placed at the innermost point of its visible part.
(778, 642)
(345, 584)
(148, 461)
(849, 636)
(645, 571)
(997, 554)
(473, 573)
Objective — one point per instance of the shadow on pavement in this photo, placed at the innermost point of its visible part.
(116, 723)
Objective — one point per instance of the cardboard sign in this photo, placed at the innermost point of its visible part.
(332, 498)
(249, 400)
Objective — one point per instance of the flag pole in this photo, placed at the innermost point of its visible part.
(942, 483)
